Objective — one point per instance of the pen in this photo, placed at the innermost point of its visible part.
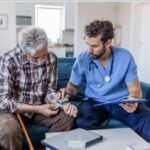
(70, 94)
(82, 97)
(75, 95)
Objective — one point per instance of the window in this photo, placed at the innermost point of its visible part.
(50, 19)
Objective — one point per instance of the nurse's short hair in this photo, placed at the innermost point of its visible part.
(98, 27)
(32, 39)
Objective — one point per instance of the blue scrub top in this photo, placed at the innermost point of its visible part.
(121, 68)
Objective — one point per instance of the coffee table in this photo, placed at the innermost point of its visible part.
(116, 139)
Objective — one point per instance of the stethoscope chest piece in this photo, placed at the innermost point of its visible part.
(107, 78)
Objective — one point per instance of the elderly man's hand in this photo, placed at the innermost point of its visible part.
(70, 109)
(46, 110)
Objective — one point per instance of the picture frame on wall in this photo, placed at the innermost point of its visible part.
(3, 21)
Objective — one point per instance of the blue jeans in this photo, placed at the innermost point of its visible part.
(90, 117)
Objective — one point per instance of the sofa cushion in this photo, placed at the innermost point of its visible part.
(113, 124)
(64, 70)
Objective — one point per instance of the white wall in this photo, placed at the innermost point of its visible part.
(8, 36)
(133, 18)
(137, 24)
(136, 44)
(126, 19)
(86, 12)
(144, 44)
(129, 19)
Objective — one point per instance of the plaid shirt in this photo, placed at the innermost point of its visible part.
(24, 82)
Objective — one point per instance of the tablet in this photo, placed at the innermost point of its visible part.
(114, 102)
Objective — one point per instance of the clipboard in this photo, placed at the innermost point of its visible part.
(123, 101)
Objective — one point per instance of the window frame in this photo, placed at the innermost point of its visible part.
(51, 7)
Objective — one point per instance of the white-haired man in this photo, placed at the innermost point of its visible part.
(28, 82)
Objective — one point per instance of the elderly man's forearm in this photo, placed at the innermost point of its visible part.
(27, 108)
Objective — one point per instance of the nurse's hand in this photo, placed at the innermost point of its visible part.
(62, 93)
(129, 107)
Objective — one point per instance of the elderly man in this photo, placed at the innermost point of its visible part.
(28, 81)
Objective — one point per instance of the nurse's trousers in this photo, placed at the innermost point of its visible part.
(90, 117)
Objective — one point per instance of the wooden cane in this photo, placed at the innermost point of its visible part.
(25, 132)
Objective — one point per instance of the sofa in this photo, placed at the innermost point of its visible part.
(37, 133)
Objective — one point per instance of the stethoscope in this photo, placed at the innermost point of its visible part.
(107, 74)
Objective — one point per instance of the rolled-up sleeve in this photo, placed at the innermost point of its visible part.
(77, 73)
(131, 74)
(7, 102)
